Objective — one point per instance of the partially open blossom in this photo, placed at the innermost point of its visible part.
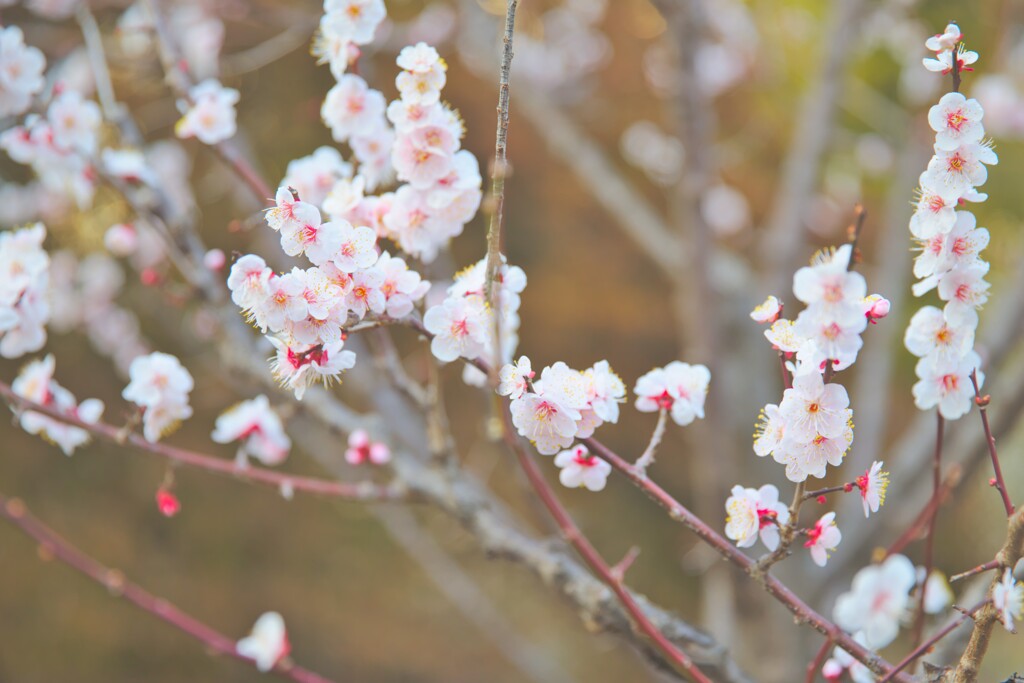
(257, 427)
(362, 449)
(580, 469)
(267, 644)
(211, 114)
(121, 239)
(946, 40)
(876, 307)
(160, 386)
(767, 312)
(513, 378)
(872, 485)
(823, 538)
(35, 383)
(947, 386)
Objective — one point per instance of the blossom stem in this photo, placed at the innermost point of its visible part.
(929, 543)
(927, 645)
(609, 575)
(647, 458)
(991, 564)
(1000, 483)
(52, 545)
(819, 659)
(810, 495)
(364, 491)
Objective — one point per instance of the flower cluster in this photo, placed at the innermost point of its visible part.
(344, 26)
(679, 388)
(21, 72)
(463, 324)
(160, 386)
(60, 146)
(257, 427)
(209, 113)
(36, 383)
(950, 243)
(564, 405)
(24, 279)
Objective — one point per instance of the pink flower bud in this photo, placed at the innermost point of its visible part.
(167, 503)
(121, 240)
(214, 259)
(379, 454)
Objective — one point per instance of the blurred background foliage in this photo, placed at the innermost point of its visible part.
(357, 606)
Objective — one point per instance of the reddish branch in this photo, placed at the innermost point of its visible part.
(365, 491)
(927, 645)
(1000, 483)
(14, 511)
(819, 659)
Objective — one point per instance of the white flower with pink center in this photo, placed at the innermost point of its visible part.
(783, 336)
(812, 458)
(357, 18)
(823, 538)
(580, 469)
(419, 58)
(267, 644)
(421, 87)
(357, 249)
(248, 281)
(257, 427)
(933, 214)
(678, 387)
(352, 108)
(425, 155)
(545, 421)
(365, 295)
(605, 391)
(308, 235)
(947, 385)
(965, 289)
(930, 335)
(461, 327)
(956, 121)
(960, 246)
(373, 152)
(952, 173)
(770, 430)
(21, 72)
(401, 287)
(297, 366)
(946, 40)
(755, 512)
(74, 122)
(211, 114)
(812, 408)
(157, 378)
(345, 197)
(283, 211)
(514, 378)
(877, 601)
(283, 302)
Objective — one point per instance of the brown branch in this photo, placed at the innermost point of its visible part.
(14, 511)
(1000, 483)
(927, 645)
(929, 545)
(819, 659)
(364, 491)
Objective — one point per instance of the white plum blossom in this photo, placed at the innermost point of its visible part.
(257, 427)
(356, 249)
(767, 312)
(823, 538)
(352, 108)
(947, 385)
(952, 172)
(35, 383)
(267, 644)
(877, 601)
(943, 61)
(933, 214)
(297, 366)
(813, 408)
(24, 281)
(461, 327)
(753, 513)
(1008, 599)
(944, 41)
(308, 234)
(605, 391)
(580, 469)
(21, 72)
(678, 387)
(248, 280)
(545, 421)
(314, 176)
(956, 121)
(938, 595)
(513, 378)
(872, 485)
(359, 19)
(401, 287)
(210, 115)
(74, 122)
(160, 385)
(930, 335)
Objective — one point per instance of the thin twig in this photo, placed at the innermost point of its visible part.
(14, 511)
(1000, 483)
(647, 457)
(364, 491)
(987, 566)
(927, 645)
(819, 659)
(929, 544)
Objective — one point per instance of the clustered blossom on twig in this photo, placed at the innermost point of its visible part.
(950, 243)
